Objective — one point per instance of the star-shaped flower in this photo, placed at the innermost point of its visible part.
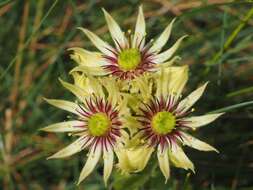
(98, 124)
(130, 57)
(164, 124)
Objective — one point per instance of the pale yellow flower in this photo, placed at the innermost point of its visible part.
(98, 123)
(130, 57)
(164, 122)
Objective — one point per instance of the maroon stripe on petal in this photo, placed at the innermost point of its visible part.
(113, 51)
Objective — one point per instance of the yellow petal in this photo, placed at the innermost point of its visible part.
(116, 33)
(139, 157)
(96, 86)
(130, 123)
(188, 102)
(77, 91)
(177, 79)
(90, 164)
(142, 84)
(133, 159)
(171, 80)
(167, 63)
(162, 57)
(71, 149)
(162, 81)
(88, 83)
(80, 80)
(113, 90)
(199, 121)
(164, 163)
(85, 57)
(95, 71)
(131, 100)
(122, 105)
(139, 34)
(163, 38)
(66, 126)
(98, 42)
(63, 104)
(123, 161)
(197, 144)
(123, 139)
(108, 164)
(179, 159)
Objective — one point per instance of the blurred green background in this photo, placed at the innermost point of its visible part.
(34, 36)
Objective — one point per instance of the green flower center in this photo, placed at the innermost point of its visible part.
(163, 122)
(129, 59)
(98, 124)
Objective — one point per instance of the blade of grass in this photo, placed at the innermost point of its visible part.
(22, 33)
(4, 2)
(29, 39)
(232, 37)
(2, 146)
(233, 107)
(186, 185)
(224, 26)
(240, 92)
(238, 29)
(32, 92)
(196, 10)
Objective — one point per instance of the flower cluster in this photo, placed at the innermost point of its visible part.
(129, 103)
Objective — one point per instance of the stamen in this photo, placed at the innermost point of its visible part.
(161, 126)
(129, 38)
(129, 62)
(98, 124)
(100, 121)
(142, 39)
(114, 51)
(118, 44)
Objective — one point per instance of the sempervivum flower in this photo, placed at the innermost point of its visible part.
(130, 57)
(164, 121)
(98, 122)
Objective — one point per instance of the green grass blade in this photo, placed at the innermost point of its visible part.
(240, 92)
(29, 39)
(233, 107)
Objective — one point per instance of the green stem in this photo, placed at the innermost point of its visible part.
(232, 37)
(238, 29)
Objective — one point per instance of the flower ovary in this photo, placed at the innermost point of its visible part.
(163, 122)
(129, 59)
(98, 124)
